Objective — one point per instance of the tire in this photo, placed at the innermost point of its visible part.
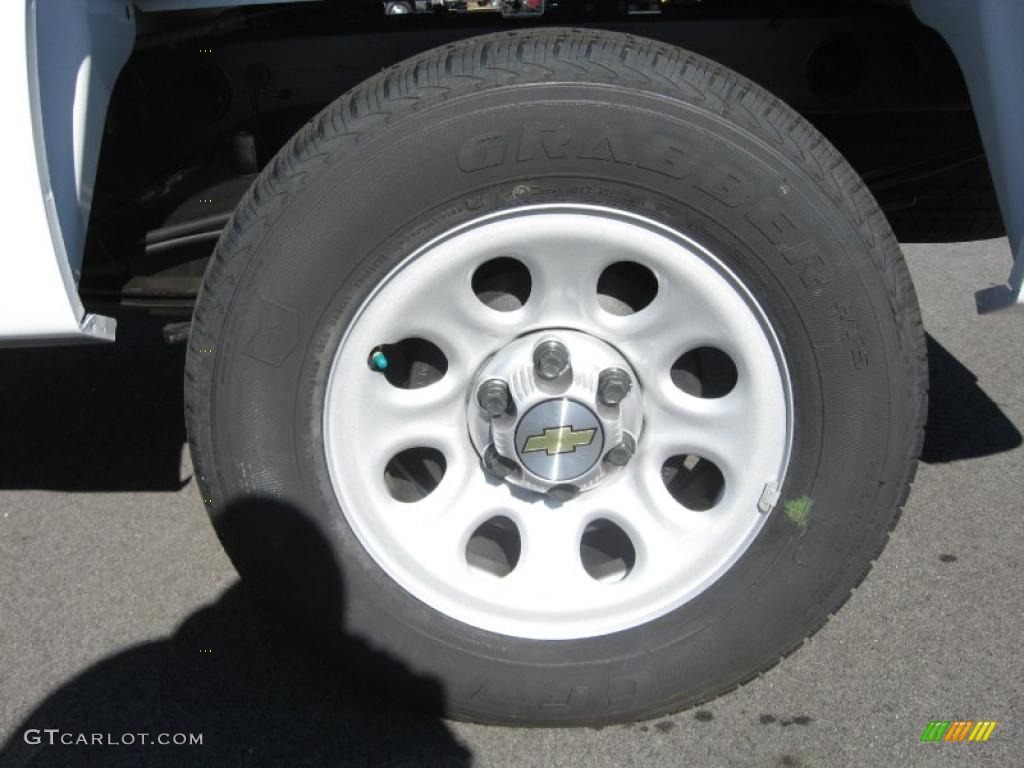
(554, 118)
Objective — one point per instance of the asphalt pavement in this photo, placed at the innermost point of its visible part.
(119, 613)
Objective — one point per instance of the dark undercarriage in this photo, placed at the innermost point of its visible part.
(208, 98)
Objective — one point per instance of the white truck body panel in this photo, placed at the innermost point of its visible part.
(58, 65)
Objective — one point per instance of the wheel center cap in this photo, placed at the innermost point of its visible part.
(559, 439)
(556, 412)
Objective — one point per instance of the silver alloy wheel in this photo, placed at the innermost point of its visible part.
(661, 543)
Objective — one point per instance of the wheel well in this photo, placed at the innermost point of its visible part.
(208, 97)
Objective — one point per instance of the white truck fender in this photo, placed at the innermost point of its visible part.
(58, 64)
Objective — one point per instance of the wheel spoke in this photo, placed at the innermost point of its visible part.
(389, 418)
(438, 528)
(459, 325)
(564, 284)
(720, 430)
(635, 502)
(550, 559)
(736, 431)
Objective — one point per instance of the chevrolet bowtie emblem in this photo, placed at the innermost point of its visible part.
(557, 440)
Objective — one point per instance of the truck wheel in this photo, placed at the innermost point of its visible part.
(570, 370)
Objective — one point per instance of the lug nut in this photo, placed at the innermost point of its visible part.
(550, 359)
(613, 385)
(563, 493)
(620, 455)
(496, 464)
(493, 397)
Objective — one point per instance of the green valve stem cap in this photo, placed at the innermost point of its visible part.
(379, 360)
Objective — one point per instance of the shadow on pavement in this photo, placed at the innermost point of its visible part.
(258, 696)
(104, 417)
(963, 421)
